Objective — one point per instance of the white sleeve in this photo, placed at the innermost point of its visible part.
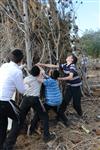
(19, 83)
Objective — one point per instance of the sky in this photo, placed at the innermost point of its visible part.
(88, 16)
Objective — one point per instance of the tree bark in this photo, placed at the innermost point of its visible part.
(27, 35)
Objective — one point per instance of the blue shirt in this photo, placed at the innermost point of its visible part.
(53, 94)
(67, 69)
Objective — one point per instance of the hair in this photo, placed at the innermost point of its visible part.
(35, 71)
(16, 56)
(74, 59)
(55, 74)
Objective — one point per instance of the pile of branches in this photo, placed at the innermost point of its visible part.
(50, 28)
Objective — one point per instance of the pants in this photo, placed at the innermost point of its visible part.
(60, 116)
(6, 111)
(27, 103)
(75, 94)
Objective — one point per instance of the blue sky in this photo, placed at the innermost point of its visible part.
(88, 15)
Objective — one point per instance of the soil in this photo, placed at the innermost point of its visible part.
(73, 137)
(82, 134)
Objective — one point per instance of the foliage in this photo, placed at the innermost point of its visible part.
(90, 41)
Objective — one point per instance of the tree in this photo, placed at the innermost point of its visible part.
(90, 41)
(27, 34)
(45, 27)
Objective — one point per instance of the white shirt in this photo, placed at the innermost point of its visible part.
(11, 78)
(32, 86)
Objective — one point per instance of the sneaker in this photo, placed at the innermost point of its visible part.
(63, 121)
(50, 137)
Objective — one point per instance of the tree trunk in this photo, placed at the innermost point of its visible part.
(27, 35)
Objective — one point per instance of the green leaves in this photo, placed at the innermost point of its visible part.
(90, 41)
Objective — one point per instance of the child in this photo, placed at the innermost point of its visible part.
(53, 99)
(73, 83)
(53, 96)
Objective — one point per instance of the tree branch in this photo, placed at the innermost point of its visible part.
(18, 23)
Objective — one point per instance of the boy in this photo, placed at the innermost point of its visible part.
(72, 89)
(53, 98)
(73, 83)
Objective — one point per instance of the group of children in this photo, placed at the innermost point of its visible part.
(30, 88)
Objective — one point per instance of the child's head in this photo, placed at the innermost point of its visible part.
(54, 74)
(35, 71)
(72, 59)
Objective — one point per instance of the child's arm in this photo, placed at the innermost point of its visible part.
(48, 65)
(40, 78)
(42, 71)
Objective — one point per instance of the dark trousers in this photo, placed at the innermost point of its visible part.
(75, 94)
(60, 116)
(25, 106)
(36, 118)
(6, 111)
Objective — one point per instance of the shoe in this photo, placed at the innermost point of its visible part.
(50, 137)
(63, 121)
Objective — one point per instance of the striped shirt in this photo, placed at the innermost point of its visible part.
(53, 94)
(67, 69)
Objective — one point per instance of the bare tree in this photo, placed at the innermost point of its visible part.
(27, 34)
(43, 29)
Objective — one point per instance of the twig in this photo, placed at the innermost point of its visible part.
(13, 2)
(62, 146)
(18, 23)
(80, 143)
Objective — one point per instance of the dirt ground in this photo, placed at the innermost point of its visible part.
(73, 137)
(82, 134)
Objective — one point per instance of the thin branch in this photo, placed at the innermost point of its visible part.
(44, 47)
(18, 23)
(13, 2)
